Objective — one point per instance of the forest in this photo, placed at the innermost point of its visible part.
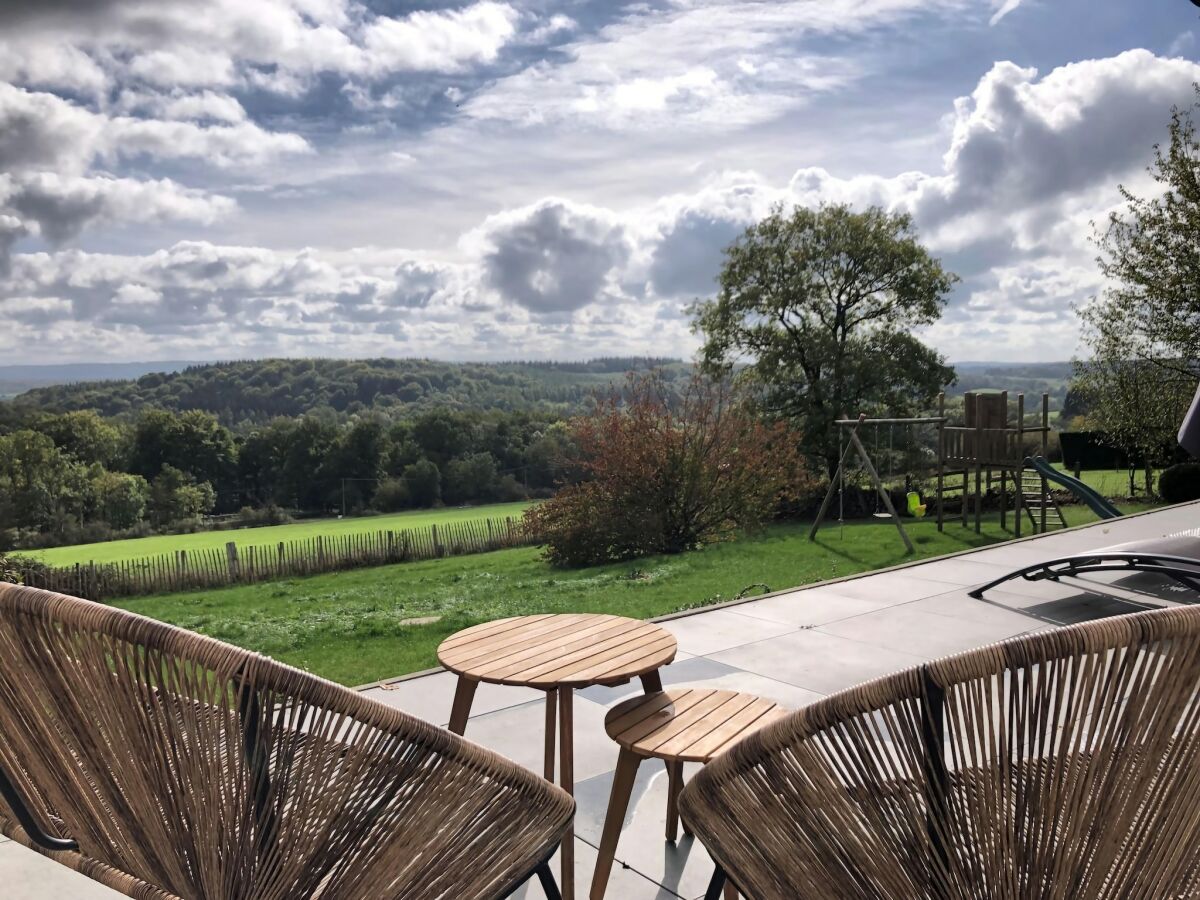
(259, 442)
(255, 391)
(79, 477)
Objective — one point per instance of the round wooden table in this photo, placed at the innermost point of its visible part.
(556, 653)
(677, 726)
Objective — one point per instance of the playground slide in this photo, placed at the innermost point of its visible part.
(1098, 504)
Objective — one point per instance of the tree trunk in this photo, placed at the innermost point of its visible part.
(1149, 473)
(831, 464)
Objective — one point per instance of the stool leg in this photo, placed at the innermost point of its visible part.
(618, 802)
(551, 707)
(652, 682)
(674, 786)
(464, 693)
(686, 830)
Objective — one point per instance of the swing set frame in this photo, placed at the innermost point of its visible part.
(855, 443)
(985, 444)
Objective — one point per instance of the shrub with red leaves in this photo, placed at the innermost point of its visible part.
(666, 472)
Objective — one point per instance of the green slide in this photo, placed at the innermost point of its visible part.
(1098, 504)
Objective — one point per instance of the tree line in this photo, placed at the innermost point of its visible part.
(78, 476)
(256, 391)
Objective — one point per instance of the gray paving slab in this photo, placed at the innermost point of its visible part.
(431, 696)
(964, 572)
(693, 670)
(721, 629)
(891, 588)
(26, 875)
(518, 733)
(807, 608)
(915, 632)
(683, 867)
(819, 662)
(786, 695)
(624, 881)
(708, 673)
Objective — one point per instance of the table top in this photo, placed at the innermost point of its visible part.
(689, 724)
(546, 651)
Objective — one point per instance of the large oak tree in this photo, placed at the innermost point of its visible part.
(820, 305)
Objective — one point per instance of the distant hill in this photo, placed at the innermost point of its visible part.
(1033, 378)
(257, 390)
(16, 380)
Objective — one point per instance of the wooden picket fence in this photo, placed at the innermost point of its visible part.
(186, 570)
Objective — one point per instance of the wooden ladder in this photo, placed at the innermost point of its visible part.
(1031, 499)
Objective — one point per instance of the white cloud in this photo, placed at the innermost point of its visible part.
(552, 257)
(51, 64)
(205, 105)
(1003, 8)
(438, 41)
(183, 67)
(43, 132)
(1183, 43)
(548, 29)
(274, 44)
(61, 206)
(686, 64)
(216, 300)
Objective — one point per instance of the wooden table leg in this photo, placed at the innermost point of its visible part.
(674, 786)
(551, 708)
(618, 803)
(464, 693)
(566, 776)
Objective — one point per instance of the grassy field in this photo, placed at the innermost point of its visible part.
(112, 551)
(363, 625)
(1112, 483)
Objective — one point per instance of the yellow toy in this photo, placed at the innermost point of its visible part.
(916, 508)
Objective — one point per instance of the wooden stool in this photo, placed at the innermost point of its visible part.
(677, 726)
(556, 653)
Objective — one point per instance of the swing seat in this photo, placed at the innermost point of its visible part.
(916, 508)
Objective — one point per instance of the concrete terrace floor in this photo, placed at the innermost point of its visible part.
(793, 647)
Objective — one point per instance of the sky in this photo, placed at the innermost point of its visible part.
(486, 180)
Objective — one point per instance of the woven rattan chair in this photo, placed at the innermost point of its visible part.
(1061, 764)
(166, 764)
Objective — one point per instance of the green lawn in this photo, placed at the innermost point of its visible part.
(355, 627)
(1111, 483)
(112, 551)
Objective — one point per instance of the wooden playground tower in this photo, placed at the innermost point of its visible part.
(986, 452)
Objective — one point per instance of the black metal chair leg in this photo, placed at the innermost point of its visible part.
(716, 884)
(25, 817)
(549, 885)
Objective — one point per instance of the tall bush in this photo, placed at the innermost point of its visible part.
(667, 472)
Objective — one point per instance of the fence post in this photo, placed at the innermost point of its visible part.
(437, 551)
(231, 556)
(320, 552)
